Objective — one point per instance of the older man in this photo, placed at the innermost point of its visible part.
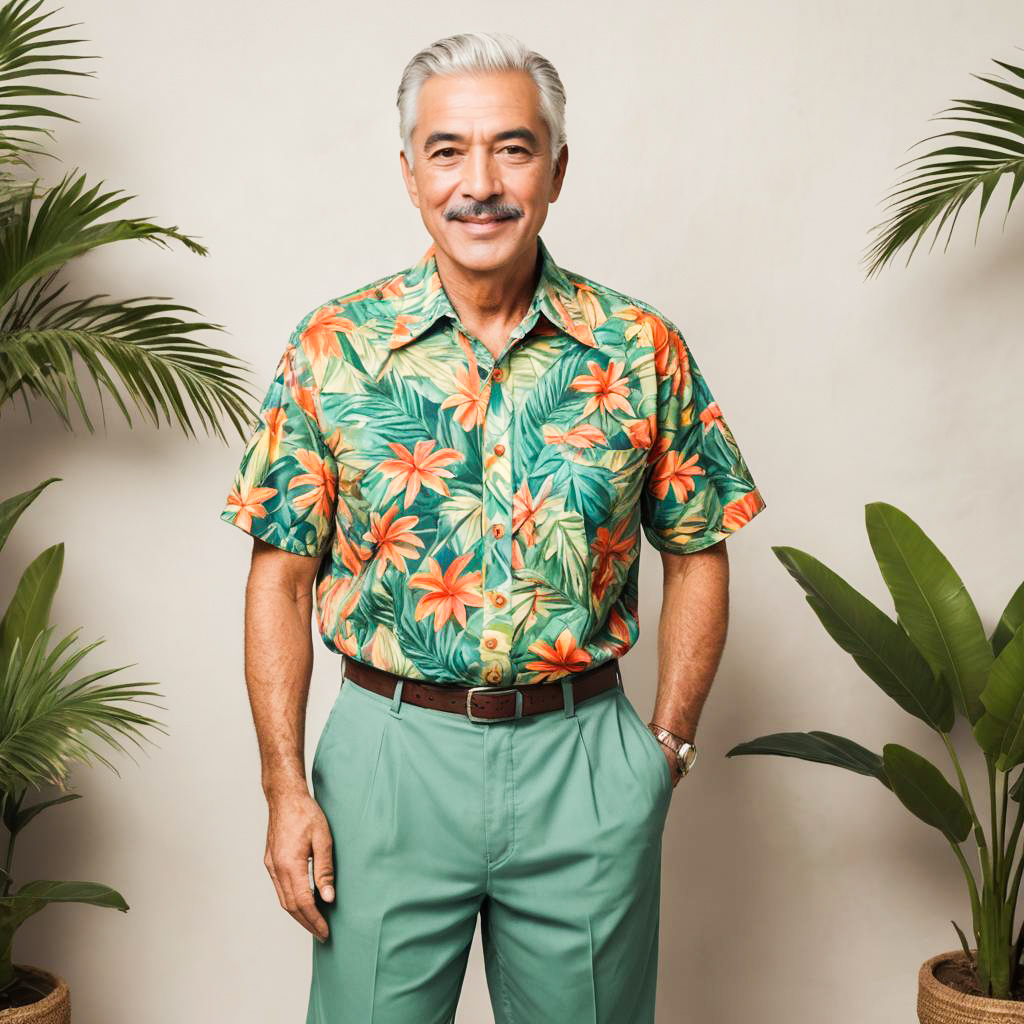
(460, 459)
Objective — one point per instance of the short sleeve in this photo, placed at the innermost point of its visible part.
(698, 489)
(285, 488)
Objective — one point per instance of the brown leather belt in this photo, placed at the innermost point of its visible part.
(486, 703)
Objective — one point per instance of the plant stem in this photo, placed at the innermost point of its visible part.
(972, 885)
(979, 832)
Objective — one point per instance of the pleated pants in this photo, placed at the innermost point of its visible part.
(549, 827)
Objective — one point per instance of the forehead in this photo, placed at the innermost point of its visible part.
(481, 102)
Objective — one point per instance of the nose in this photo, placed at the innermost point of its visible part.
(479, 180)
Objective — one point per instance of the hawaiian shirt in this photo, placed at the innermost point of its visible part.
(478, 519)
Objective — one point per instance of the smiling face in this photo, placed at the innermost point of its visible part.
(483, 174)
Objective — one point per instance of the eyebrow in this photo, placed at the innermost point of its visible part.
(512, 133)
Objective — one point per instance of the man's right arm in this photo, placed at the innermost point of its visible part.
(278, 666)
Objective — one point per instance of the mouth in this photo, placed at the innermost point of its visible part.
(482, 223)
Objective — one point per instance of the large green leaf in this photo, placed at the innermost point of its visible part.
(925, 792)
(33, 896)
(12, 508)
(1011, 619)
(932, 603)
(819, 746)
(28, 614)
(876, 643)
(1000, 731)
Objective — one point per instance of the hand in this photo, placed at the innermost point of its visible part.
(673, 763)
(297, 830)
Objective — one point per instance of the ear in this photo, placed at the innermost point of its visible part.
(410, 180)
(558, 174)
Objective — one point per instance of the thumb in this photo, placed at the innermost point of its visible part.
(323, 867)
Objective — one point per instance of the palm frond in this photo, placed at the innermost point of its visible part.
(48, 724)
(148, 350)
(943, 187)
(27, 51)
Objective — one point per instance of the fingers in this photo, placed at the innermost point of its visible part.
(289, 872)
(299, 900)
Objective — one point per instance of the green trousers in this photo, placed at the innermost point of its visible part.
(548, 826)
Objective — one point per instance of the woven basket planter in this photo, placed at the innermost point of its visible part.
(940, 1004)
(53, 1008)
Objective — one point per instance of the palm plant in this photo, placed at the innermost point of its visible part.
(46, 725)
(141, 342)
(937, 663)
(142, 347)
(941, 188)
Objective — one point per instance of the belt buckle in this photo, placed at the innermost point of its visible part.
(494, 689)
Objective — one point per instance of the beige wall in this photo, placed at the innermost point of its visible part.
(726, 164)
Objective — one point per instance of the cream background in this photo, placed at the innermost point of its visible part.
(727, 162)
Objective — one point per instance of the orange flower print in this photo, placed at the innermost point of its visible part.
(319, 339)
(337, 596)
(319, 478)
(526, 508)
(609, 388)
(249, 503)
(469, 400)
(448, 593)
(583, 436)
(421, 467)
(611, 548)
(711, 416)
(641, 432)
(650, 330)
(394, 539)
(275, 419)
(741, 510)
(560, 660)
(401, 333)
(681, 369)
(352, 553)
(673, 471)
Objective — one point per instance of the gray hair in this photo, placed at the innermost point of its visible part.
(481, 52)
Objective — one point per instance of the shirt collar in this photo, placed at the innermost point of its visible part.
(422, 300)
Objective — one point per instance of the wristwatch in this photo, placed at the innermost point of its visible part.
(686, 752)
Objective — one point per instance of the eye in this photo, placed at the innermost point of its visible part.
(521, 149)
(446, 152)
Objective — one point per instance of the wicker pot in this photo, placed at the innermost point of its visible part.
(53, 1008)
(940, 1004)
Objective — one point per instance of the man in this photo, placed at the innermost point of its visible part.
(461, 458)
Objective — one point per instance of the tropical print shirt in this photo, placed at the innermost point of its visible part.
(478, 519)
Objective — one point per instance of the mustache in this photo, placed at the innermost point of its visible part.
(497, 210)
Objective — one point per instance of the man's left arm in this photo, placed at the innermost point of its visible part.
(691, 637)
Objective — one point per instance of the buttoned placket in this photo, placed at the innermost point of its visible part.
(497, 495)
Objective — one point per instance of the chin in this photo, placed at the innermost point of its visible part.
(483, 253)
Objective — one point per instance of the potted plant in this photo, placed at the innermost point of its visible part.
(140, 347)
(937, 663)
(47, 723)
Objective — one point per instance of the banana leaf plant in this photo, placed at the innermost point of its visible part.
(937, 663)
(47, 724)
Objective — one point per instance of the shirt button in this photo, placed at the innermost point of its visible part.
(499, 450)
(498, 531)
(499, 600)
(498, 374)
(490, 643)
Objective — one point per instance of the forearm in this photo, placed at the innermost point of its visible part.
(691, 636)
(278, 665)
